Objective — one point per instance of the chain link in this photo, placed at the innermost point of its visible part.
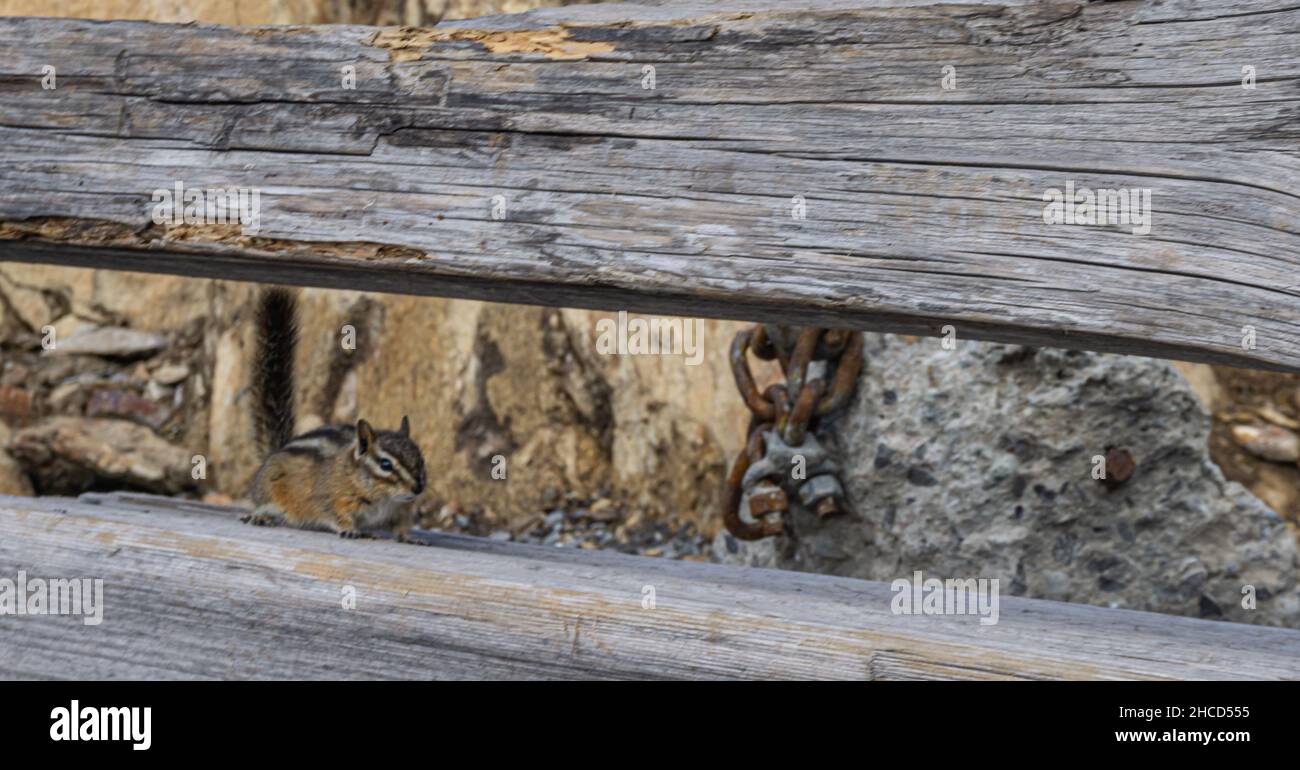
(821, 368)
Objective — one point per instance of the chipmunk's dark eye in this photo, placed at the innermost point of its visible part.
(385, 465)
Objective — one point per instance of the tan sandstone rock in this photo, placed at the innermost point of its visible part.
(66, 455)
(13, 481)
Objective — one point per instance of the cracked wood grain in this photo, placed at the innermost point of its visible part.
(191, 593)
(924, 206)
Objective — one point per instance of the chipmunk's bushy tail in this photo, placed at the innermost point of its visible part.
(277, 339)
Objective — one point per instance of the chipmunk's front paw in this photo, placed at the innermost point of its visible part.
(258, 520)
(352, 534)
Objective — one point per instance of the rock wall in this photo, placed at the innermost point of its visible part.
(979, 462)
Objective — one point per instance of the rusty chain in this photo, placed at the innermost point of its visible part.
(783, 416)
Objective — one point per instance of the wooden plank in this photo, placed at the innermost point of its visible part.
(925, 206)
(189, 592)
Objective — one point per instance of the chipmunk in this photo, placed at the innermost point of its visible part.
(342, 478)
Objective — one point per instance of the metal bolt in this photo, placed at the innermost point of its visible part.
(1119, 467)
(814, 493)
(828, 506)
(767, 499)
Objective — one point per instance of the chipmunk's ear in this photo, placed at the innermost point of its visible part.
(405, 430)
(365, 438)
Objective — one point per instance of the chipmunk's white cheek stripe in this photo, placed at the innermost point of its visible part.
(397, 472)
(400, 471)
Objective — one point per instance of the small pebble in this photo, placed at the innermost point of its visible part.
(170, 374)
(1269, 442)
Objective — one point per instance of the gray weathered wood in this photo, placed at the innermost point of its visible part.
(192, 593)
(924, 206)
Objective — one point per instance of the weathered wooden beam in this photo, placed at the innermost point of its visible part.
(924, 206)
(189, 592)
